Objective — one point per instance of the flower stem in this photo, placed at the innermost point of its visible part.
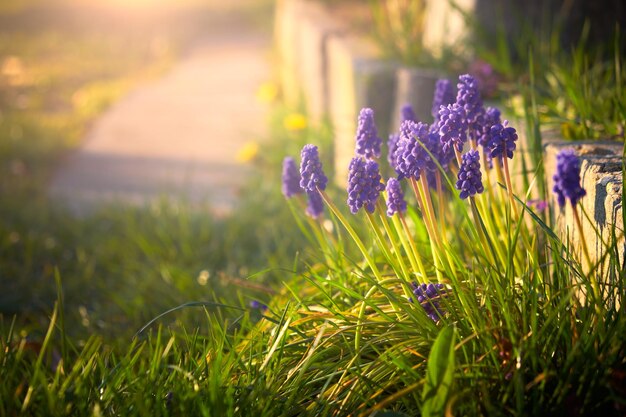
(379, 236)
(352, 234)
(509, 186)
(396, 249)
(441, 204)
(421, 201)
(429, 228)
(429, 204)
(409, 246)
(457, 153)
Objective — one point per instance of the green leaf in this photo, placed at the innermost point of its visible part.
(439, 374)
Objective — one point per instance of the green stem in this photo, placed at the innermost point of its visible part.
(429, 204)
(482, 232)
(379, 236)
(396, 249)
(509, 186)
(428, 224)
(459, 160)
(352, 234)
(441, 205)
(421, 201)
(415, 259)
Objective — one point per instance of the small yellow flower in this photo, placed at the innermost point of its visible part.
(516, 103)
(247, 152)
(267, 92)
(295, 121)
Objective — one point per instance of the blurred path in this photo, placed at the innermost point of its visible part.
(178, 136)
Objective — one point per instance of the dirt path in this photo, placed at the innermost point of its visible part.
(177, 137)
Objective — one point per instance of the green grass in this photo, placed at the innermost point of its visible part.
(119, 268)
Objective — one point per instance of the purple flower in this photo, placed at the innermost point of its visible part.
(407, 113)
(315, 204)
(395, 197)
(410, 155)
(444, 95)
(567, 178)
(492, 117)
(539, 205)
(392, 145)
(487, 77)
(452, 128)
(257, 305)
(291, 178)
(502, 141)
(469, 179)
(364, 184)
(367, 140)
(468, 97)
(429, 296)
(312, 175)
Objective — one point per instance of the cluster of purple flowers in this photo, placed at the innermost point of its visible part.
(444, 95)
(315, 204)
(452, 127)
(367, 141)
(567, 178)
(364, 184)
(429, 297)
(312, 176)
(411, 157)
(312, 179)
(291, 178)
(309, 179)
(502, 140)
(468, 97)
(415, 151)
(395, 197)
(492, 117)
(406, 113)
(470, 177)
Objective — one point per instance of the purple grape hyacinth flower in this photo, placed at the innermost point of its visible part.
(468, 97)
(364, 184)
(452, 128)
(411, 157)
(257, 305)
(291, 178)
(502, 141)
(429, 296)
(567, 178)
(392, 145)
(367, 141)
(470, 178)
(407, 113)
(395, 197)
(444, 95)
(492, 117)
(312, 175)
(315, 204)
